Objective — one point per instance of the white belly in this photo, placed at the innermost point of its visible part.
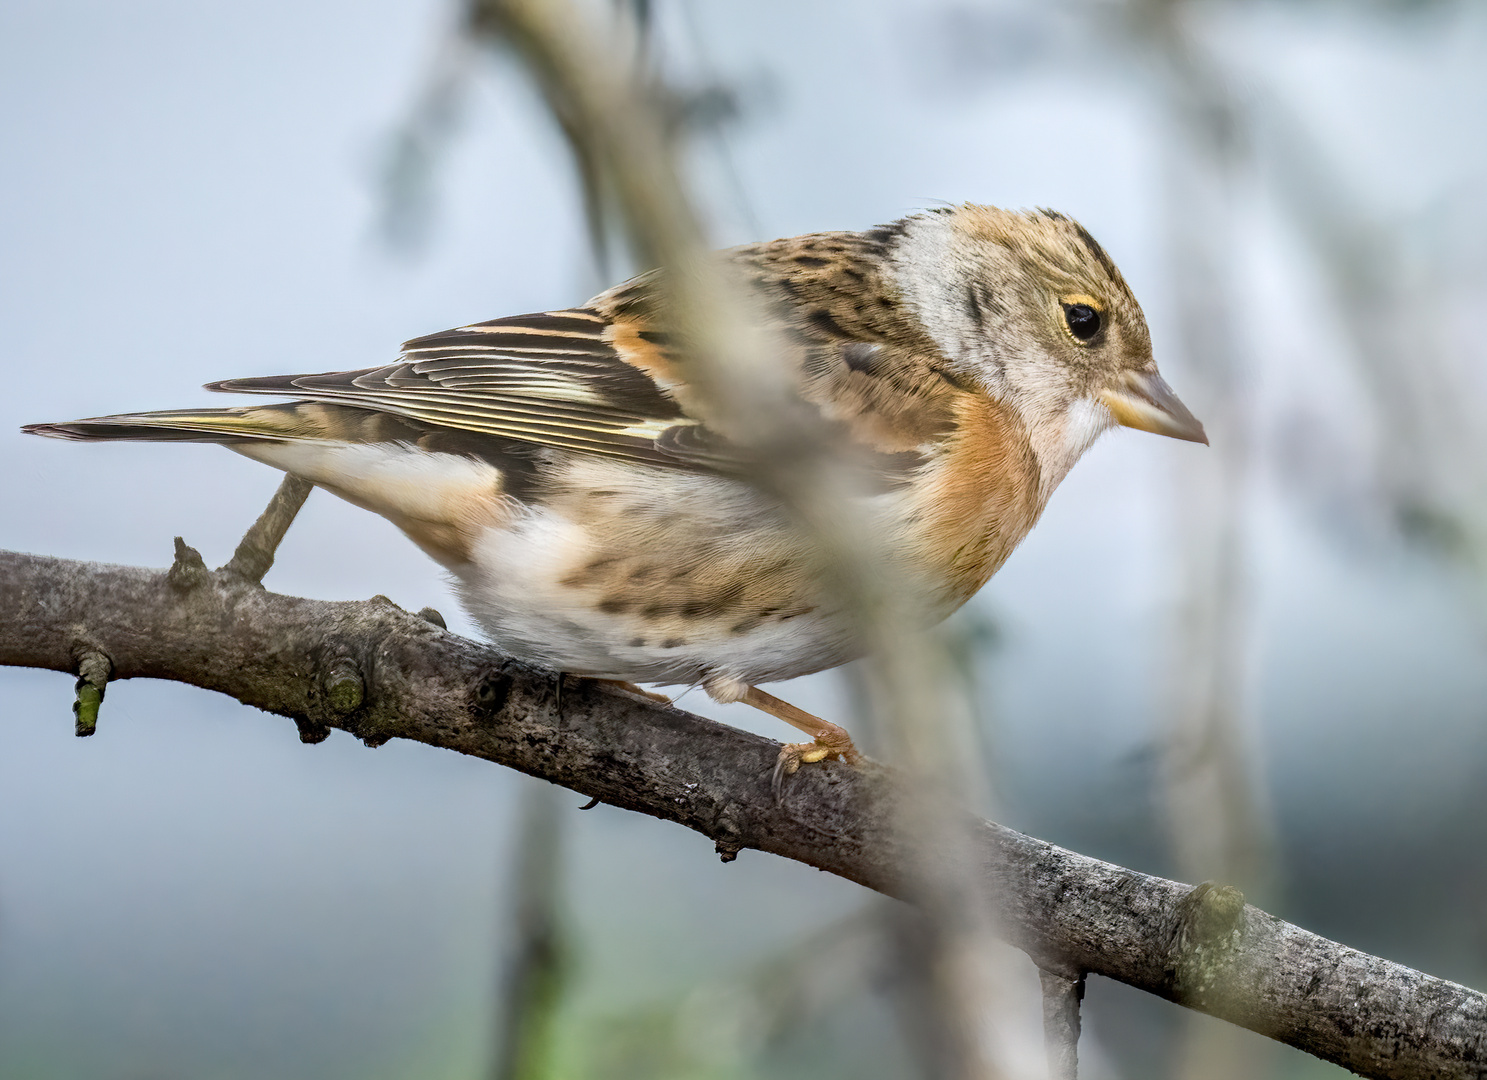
(528, 589)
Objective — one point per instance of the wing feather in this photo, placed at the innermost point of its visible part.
(549, 378)
(603, 379)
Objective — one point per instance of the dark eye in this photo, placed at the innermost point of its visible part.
(1084, 321)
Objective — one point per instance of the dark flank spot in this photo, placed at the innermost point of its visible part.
(614, 605)
(637, 643)
(1097, 251)
(974, 308)
(860, 356)
(851, 273)
(698, 609)
(823, 321)
(601, 494)
(810, 260)
(656, 337)
(580, 578)
(644, 573)
(743, 626)
(672, 643)
(796, 613)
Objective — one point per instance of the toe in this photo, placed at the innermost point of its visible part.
(785, 765)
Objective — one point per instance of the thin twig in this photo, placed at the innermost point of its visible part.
(748, 391)
(1061, 997)
(253, 557)
(532, 982)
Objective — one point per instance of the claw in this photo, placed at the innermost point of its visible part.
(785, 765)
(831, 745)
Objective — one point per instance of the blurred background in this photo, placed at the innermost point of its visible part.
(1264, 662)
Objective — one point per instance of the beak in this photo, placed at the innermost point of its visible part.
(1142, 400)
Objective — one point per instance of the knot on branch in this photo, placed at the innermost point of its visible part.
(340, 690)
(430, 615)
(727, 849)
(342, 687)
(311, 732)
(188, 571)
(1210, 926)
(93, 671)
(488, 696)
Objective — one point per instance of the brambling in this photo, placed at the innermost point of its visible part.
(558, 465)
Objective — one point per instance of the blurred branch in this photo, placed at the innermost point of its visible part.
(1061, 998)
(621, 121)
(1201, 947)
(532, 981)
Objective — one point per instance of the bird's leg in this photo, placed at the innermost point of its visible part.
(631, 688)
(829, 740)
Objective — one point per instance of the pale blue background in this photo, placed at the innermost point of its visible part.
(191, 192)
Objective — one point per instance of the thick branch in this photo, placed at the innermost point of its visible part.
(1201, 947)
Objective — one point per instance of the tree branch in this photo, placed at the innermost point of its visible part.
(1201, 947)
(255, 554)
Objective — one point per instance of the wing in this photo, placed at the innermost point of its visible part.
(572, 379)
(602, 379)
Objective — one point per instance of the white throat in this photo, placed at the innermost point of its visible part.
(1059, 442)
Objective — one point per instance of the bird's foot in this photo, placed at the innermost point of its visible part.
(832, 743)
(828, 740)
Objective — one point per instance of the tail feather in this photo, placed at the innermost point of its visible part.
(275, 423)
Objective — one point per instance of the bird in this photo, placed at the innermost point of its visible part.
(597, 522)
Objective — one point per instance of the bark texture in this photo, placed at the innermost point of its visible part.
(379, 672)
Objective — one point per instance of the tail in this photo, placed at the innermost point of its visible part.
(412, 473)
(256, 423)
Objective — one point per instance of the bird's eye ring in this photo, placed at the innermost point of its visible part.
(1083, 321)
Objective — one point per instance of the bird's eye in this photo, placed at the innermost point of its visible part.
(1084, 321)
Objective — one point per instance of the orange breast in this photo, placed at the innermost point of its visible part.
(976, 501)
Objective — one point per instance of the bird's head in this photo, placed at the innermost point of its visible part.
(1029, 309)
